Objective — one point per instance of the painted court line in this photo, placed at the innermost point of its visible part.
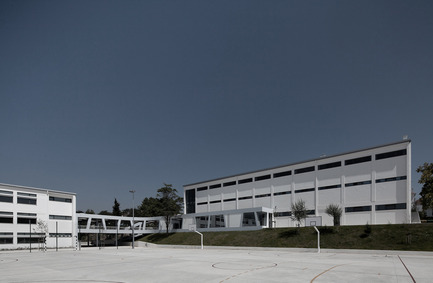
(407, 269)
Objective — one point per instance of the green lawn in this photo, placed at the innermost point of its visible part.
(416, 237)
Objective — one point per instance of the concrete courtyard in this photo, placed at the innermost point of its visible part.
(165, 264)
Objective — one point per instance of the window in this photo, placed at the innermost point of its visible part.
(190, 201)
(215, 186)
(201, 221)
(311, 212)
(243, 181)
(152, 224)
(283, 193)
(304, 170)
(357, 183)
(26, 195)
(6, 199)
(357, 160)
(202, 203)
(391, 179)
(263, 196)
(392, 206)
(282, 174)
(229, 199)
(26, 218)
(357, 208)
(248, 219)
(242, 198)
(61, 235)
(329, 165)
(227, 184)
(61, 217)
(215, 201)
(6, 196)
(6, 238)
(59, 199)
(283, 214)
(26, 200)
(261, 216)
(305, 190)
(25, 238)
(329, 187)
(216, 221)
(6, 217)
(391, 154)
(201, 189)
(261, 178)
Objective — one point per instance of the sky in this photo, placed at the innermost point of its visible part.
(102, 97)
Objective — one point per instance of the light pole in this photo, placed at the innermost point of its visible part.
(133, 219)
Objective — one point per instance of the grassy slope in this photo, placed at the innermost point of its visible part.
(381, 237)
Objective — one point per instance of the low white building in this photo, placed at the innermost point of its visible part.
(23, 208)
(371, 185)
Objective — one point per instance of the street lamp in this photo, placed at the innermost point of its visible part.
(133, 219)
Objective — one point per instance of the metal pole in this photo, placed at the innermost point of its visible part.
(201, 236)
(57, 236)
(318, 239)
(133, 219)
(30, 224)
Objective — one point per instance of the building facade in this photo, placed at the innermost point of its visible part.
(36, 217)
(371, 185)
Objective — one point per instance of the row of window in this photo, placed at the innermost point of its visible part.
(311, 189)
(309, 169)
(379, 207)
(27, 198)
(26, 218)
(289, 213)
(26, 238)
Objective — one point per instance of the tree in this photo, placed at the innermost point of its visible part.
(90, 211)
(41, 227)
(335, 211)
(299, 211)
(104, 212)
(426, 180)
(149, 207)
(116, 208)
(170, 203)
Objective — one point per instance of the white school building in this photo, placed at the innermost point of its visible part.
(21, 208)
(371, 185)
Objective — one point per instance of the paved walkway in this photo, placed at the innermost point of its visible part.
(214, 265)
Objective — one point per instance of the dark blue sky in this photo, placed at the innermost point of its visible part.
(100, 97)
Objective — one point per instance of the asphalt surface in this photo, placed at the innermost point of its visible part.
(167, 264)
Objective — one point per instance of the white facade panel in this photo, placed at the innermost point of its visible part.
(391, 217)
(391, 167)
(263, 187)
(308, 197)
(230, 205)
(332, 196)
(357, 194)
(263, 202)
(391, 192)
(201, 208)
(358, 172)
(283, 202)
(360, 218)
(246, 203)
